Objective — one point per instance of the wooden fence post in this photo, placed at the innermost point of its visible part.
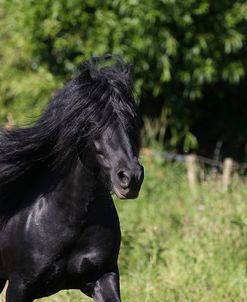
(227, 173)
(192, 172)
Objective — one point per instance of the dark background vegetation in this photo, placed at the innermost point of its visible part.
(189, 60)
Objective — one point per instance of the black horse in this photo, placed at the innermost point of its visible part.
(59, 228)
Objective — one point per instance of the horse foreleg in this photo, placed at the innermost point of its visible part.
(107, 288)
(17, 292)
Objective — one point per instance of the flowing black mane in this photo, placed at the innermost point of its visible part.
(79, 112)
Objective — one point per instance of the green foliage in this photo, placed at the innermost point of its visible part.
(154, 129)
(179, 248)
(178, 48)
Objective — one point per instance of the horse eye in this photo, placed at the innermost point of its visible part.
(103, 161)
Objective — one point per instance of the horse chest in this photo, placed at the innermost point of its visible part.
(60, 250)
(93, 254)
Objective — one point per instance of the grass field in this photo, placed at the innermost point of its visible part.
(177, 247)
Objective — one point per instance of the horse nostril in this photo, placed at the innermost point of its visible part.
(124, 179)
(140, 174)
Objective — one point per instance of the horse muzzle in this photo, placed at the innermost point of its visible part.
(128, 182)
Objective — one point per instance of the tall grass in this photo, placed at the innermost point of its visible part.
(176, 247)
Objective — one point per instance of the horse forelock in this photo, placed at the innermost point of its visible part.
(106, 95)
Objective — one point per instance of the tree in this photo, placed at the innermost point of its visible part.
(180, 50)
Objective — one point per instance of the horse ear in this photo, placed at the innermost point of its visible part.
(89, 70)
(89, 73)
(93, 70)
(128, 70)
(93, 73)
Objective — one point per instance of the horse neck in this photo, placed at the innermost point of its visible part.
(80, 187)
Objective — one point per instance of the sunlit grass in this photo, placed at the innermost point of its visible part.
(176, 247)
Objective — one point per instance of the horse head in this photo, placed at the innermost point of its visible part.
(113, 139)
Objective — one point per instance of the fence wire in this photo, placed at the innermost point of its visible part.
(180, 158)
